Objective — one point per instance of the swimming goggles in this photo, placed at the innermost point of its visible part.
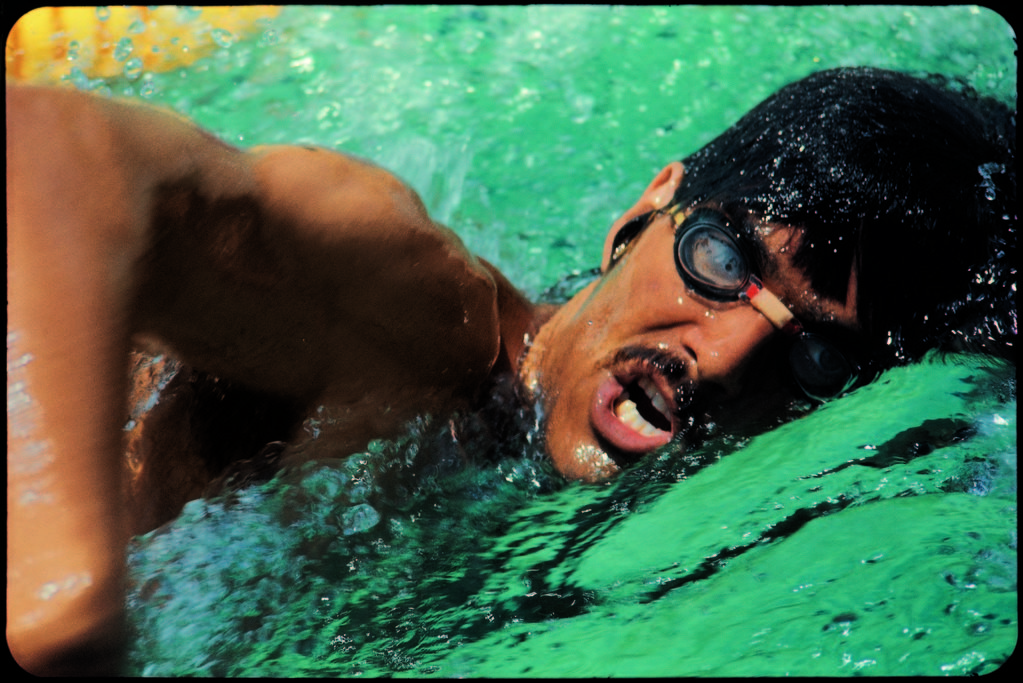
(712, 263)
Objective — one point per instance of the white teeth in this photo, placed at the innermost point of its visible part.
(627, 413)
(658, 402)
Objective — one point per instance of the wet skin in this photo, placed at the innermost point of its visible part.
(640, 328)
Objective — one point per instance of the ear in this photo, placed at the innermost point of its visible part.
(657, 195)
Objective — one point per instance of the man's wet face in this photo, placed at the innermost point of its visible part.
(633, 361)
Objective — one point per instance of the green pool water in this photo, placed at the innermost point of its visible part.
(874, 536)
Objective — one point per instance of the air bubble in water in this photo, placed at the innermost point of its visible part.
(133, 68)
(123, 49)
(269, 37)
(77, 78)
(148, 88)
(187, 14)
(222, 37)
(359, 518)
(986, 171)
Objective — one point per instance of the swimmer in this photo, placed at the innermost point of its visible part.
(851, 222)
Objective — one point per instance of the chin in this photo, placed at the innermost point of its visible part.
(578, 458)
(586, 463)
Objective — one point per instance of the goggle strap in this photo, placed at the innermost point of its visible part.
(676, 215)
(770, 307)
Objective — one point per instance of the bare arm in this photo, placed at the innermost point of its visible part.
(299, 272)
(330, 273)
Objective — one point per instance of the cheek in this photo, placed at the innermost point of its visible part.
(567, 389)
(567, 346)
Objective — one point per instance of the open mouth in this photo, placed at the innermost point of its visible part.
(642, 408)
(632, 413)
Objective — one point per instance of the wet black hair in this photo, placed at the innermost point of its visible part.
(910, 179)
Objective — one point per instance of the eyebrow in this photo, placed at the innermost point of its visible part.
(813, 316)
(849, 341)
(766, 262)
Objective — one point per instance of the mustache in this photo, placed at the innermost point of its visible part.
(692, 400)
(672, 367)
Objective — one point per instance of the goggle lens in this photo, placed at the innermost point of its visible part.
(709, 257)
(820, 369)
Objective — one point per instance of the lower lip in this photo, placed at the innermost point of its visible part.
(612, 429)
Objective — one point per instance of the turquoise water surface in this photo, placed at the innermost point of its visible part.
(876, 535)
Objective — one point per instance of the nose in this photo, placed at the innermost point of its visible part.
(722, 340)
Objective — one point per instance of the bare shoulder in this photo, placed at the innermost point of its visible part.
(409, 299)
(337, 195)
